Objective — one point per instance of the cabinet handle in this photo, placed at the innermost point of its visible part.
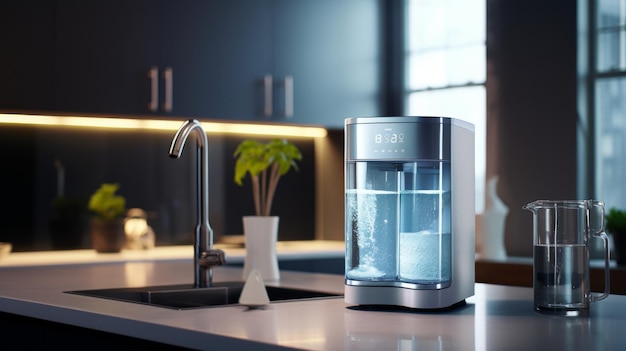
(267, 91)
(168, 77)
(153, 74)
(289, 96)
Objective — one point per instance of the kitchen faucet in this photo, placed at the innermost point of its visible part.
(205, 257)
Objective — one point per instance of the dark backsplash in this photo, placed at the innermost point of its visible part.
(149, 179)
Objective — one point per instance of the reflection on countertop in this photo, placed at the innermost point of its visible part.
(286, 250)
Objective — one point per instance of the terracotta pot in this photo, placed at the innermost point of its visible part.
(619, 249)
(107, 236)
(261, 234)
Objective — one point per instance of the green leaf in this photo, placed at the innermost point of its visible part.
(251, 158)
(616, 221)
(106, 204)
(254, 157)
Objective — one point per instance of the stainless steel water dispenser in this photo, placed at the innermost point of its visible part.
(409, 202)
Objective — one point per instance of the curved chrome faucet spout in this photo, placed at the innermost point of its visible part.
(178, 143)
(205, 257)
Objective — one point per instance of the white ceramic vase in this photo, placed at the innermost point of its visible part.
(493, 224)
(261, 234)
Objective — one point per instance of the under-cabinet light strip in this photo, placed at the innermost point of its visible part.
(157, 124)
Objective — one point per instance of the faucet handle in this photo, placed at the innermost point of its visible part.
(212, 257)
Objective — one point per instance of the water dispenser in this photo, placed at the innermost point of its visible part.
(409, 211)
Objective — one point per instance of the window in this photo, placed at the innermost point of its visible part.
(609, 86)
(446, 67)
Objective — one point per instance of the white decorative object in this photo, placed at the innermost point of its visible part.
(139, 235)
(493, 223)
(261, 234)
(254, 294)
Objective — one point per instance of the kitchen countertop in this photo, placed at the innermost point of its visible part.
(495, 318)
(286, 250)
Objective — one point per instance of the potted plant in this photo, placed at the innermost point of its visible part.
(107, 226)
(266, 163)
(616, 225)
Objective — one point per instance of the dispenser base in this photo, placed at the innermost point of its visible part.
(394, 308)
(424, 299)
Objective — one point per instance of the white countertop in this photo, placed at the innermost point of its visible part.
(496, 318)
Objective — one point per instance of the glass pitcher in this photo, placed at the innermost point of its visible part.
(561, 232)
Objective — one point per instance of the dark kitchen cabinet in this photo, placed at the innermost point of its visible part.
(103, 54)
(296, 61)
(326, 63)
(312, 62)
(77, 56)
(332, 51)
(218, 51)
(27, 41)
(184, 58)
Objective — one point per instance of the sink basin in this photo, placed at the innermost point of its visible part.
(186, 296)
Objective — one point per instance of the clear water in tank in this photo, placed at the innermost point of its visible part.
(401, 234)
(373, 217)
(424, 243)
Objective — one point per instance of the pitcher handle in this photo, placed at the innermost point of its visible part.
(596, 219)
(607, 269)
(599, 233)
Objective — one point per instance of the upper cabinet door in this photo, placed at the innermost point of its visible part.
(219, 52)
(26, 62)
(331, 50)
(105, 49)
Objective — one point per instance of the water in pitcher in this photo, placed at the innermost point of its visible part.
(371, 234)
(560, 276)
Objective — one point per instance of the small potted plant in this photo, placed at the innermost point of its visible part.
(107, 226)
(265, 163)
(615, 224)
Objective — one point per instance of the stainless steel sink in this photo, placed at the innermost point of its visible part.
(186, 296)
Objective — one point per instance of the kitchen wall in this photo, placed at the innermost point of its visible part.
(532, 117)
(149, 179)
